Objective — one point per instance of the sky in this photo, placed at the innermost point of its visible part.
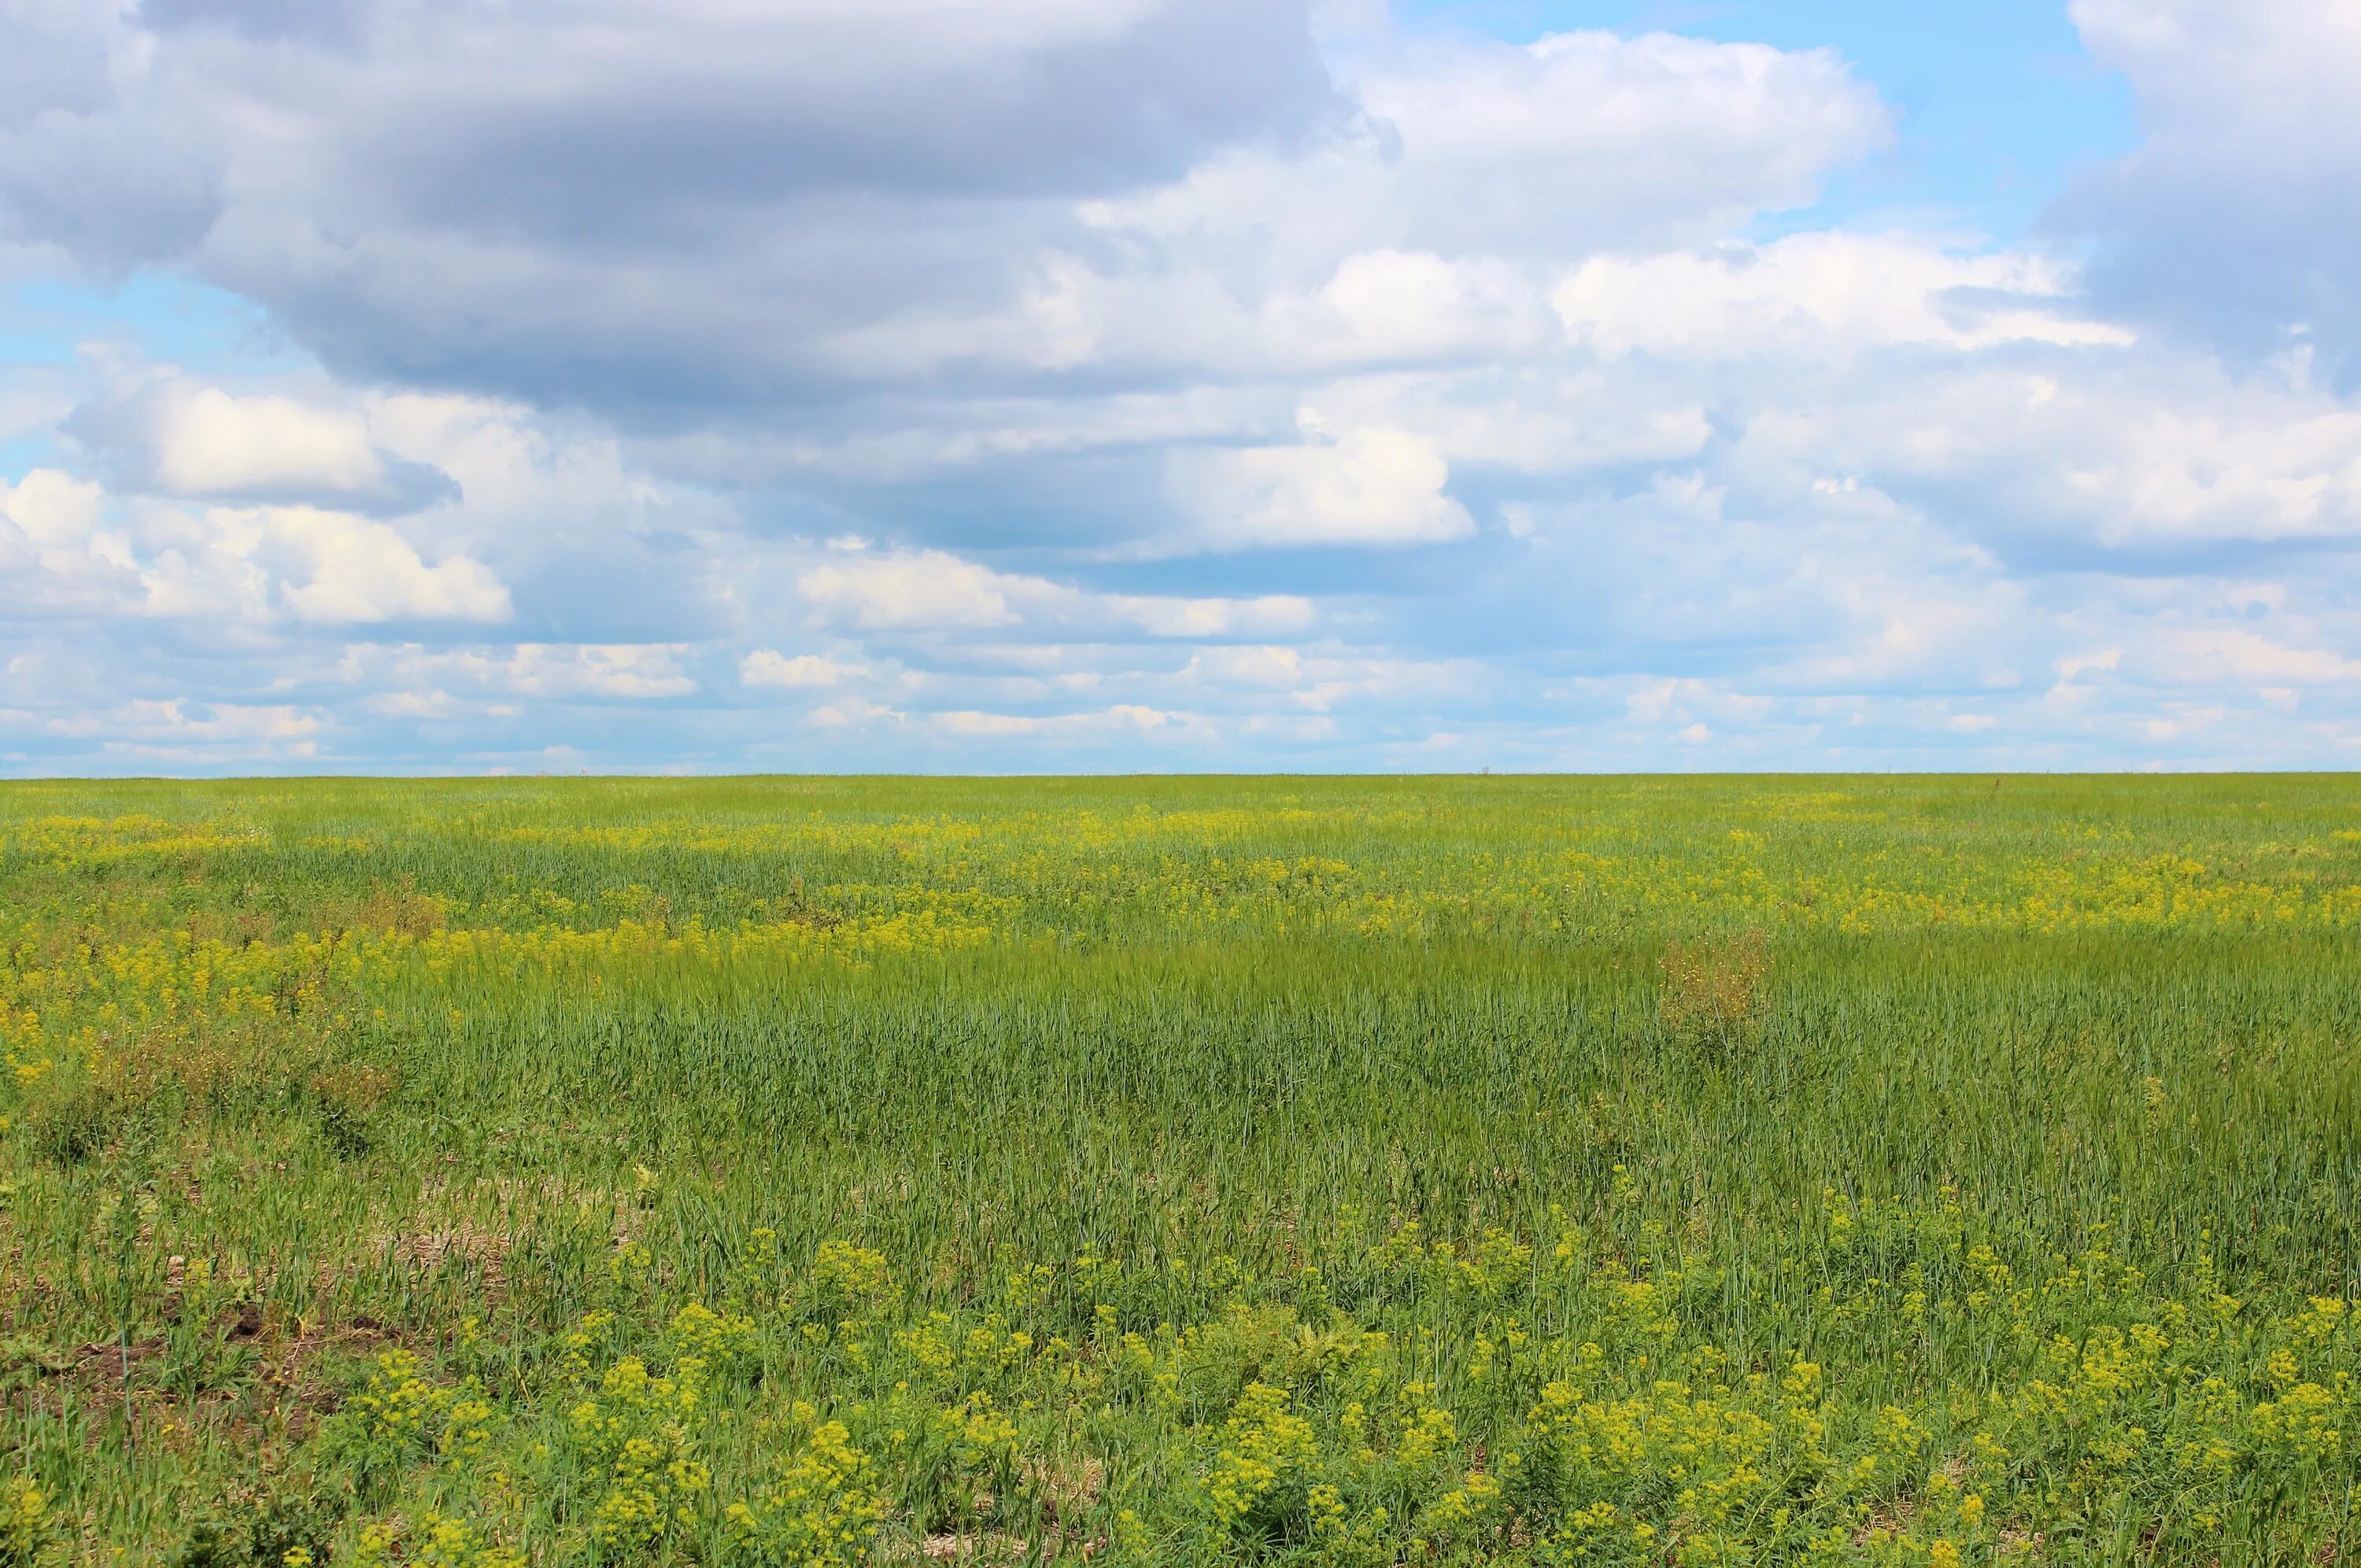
(553, 385)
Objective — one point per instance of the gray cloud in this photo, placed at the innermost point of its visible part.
(671, 215)
(579, 200)
(309, 21)
(2235, 221)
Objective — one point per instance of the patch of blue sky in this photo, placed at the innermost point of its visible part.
(21, 455)
(158, 317)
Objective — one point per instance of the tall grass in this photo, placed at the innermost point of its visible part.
(1880, 1170)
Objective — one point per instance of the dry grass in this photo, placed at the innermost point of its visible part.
(1716, 990)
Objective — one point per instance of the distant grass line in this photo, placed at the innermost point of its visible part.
(1879, 1170)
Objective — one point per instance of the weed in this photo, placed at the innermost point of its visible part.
(1339, 1173)
(1716, 992)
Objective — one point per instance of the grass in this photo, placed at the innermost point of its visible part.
(1896, 1172)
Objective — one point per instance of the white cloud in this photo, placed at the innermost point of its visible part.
(1278, 669)
(1267, 614)
(179, 732)
(210, 442)
(617, 670)
(768, 667)
(426, 705)
(935, 591)
(1653, 134)
(1580, 140)
(2074, 666)
(361, 570)
(1549, 419)
(2217, 654)
(1391, 305)
(2186, 719)
(850, 713)
(255, 565)
(418, 680)
(1818, 295)
(2162, 448)
(1000, 725)
(1370, 488)
(56, 549)
(1122, 719)
(926, 589)
(1324, 681)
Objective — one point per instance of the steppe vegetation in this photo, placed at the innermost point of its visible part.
(1644, 1171)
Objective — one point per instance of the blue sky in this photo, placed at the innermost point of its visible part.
(1178, 384)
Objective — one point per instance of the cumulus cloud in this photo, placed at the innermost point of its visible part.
(1392, 305)
(58, 554)
(167, 434)
(228, 564)
(1369, 486)
(356, 570)
(209, 443)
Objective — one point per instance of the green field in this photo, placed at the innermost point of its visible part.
(1878, 1170)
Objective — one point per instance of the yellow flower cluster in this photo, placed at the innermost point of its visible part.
(1266, 1449)
(433, 1540)
(25, 1526)
(399, 1407)
(638, 1434)
(822, 1511)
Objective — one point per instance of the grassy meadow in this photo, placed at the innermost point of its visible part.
(1908, 1171)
